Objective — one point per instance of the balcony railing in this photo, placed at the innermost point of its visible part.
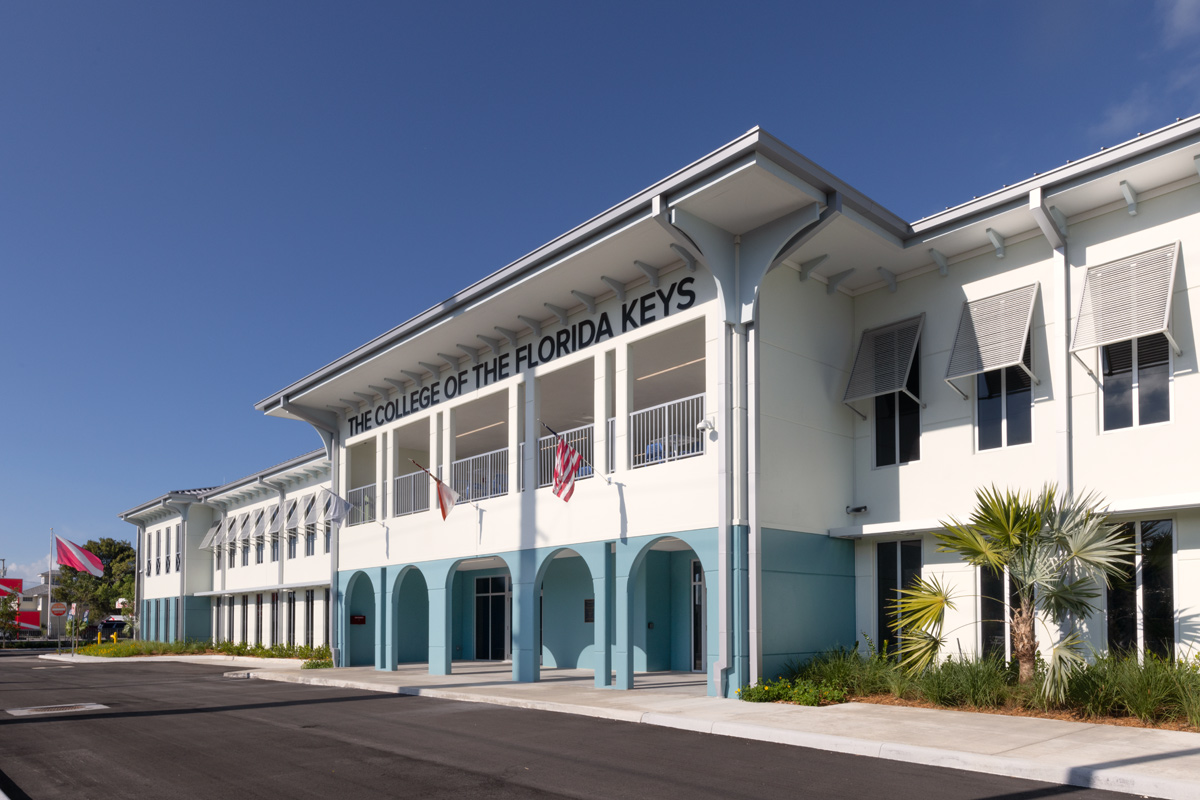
(362, 505)
(666, 432)
(411, 494)
(482, 476)
(580, 438)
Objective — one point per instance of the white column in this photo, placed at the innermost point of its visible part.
(624, 400)
(600, 413)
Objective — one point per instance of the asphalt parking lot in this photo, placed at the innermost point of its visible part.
(184, 731)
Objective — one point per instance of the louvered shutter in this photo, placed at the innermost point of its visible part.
(992, 332)
(885, 356)
(1126, 299)
(209, 537)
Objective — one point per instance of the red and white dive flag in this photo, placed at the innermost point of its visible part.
(73, 556)
(566, 464)
(447, 497)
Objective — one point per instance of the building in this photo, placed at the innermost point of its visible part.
(35, 599)
(779, 388)
(244, 562)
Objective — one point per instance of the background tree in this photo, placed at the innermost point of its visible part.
(1056, 552)
(10, 604)
(100, 595)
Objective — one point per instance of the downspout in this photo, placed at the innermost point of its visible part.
(332, 439)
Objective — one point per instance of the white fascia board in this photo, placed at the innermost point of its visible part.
(1145, 505)
(877, 529)
(271, 587)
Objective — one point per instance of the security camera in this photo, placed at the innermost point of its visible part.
(704, 426)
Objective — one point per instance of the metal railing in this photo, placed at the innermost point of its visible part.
(362, 505)
(482, 476)
(580, 438)
(411, 494)
(666, 432)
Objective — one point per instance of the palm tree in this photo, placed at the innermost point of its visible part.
(1056, 551)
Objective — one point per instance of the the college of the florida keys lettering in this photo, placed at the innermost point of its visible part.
(649, 307)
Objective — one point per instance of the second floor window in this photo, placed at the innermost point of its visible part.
(292, 544)
(246, 555)
(1004, 406)
(898, 420)
(1136, 382)
(259, 550)
(310, 540)
(274, 550)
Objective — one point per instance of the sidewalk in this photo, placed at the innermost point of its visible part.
(1139, 761)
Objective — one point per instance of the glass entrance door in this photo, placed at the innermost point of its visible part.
(697, 617)
(493, 638)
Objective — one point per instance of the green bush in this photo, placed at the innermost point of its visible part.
(317, 663)
(127, 648)
(982, 683)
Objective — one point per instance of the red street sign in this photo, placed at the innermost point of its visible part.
(58, 609)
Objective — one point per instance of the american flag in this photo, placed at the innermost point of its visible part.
(566, 464)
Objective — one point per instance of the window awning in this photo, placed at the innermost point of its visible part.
(326, 502)
(992, 334)
(243, 527)
(213, 531)
(885, 356)
(310, 510)
(293, 518)
(275, 525)
(1126, 299)
(260, 525)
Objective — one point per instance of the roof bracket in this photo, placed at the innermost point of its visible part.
(382, 391)
(398, 384)
(997, 241)
(350, 403)
(507, 334)
(586, 299)
(472, 353)
(1053, 228)
(689, 261)
(1131, 198)
(493, 344)
(651, 272)
(861, 415)
(939, 259)
(434, 369)
(836, 280)
(366, 398)
(557, 311)
(961, 393)
(450, 359)
(888, 276)
(534, 325)
(415, 377)
(808, 266)
(1060, 219)
(617, 287)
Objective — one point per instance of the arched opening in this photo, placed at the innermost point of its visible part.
(411, 630)
(567, 635)
(669, 609)
(360, 630)
(481, 610)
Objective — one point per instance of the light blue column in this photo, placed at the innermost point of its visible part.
(623, 653)
(440, 579)
(602, 576)
(524, 632)
(382, 644)
(739, 672)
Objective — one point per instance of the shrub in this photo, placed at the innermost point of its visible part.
(317, 663)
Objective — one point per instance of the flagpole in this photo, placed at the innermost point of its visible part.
(50, 582)
(595, 471)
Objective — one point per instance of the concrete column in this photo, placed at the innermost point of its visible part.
(441, 605)
(533, 412)
(624, 399)
(602, 580)
(383, 644)
(600, 413)
(515, 412)
(525, 616)
(623, 651)
(434, 457)
(382, 459)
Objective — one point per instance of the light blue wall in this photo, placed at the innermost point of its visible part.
(567, 641)
(464, 621)
(807, 596)
(197, 618)
(172, 607)
(412, 619)
(652, 606)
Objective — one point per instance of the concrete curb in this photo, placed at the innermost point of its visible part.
(239, 661)
(1112, 779)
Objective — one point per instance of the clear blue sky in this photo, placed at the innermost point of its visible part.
(202, 202)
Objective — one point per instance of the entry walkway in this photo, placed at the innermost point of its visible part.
(1140, 761)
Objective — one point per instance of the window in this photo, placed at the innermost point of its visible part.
(328, 528)
(898, 420)
(157, 552)
(1141, 605)
(274, 618)
(218, 627)
(309, 600)
(1136, 378)
(258, 604)
(325, 620)
(178, 546)
(232, 556)
(259, 551)
(245, 618)
(291, 619)
(168, 564)
(217, 554)
(1004, 406)
(246, 554)
(274, 550)
(310, 540)
(887, 371)
(149, 555)
(230, 606)
(997, 596)
(292, 544)
(898, 566)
